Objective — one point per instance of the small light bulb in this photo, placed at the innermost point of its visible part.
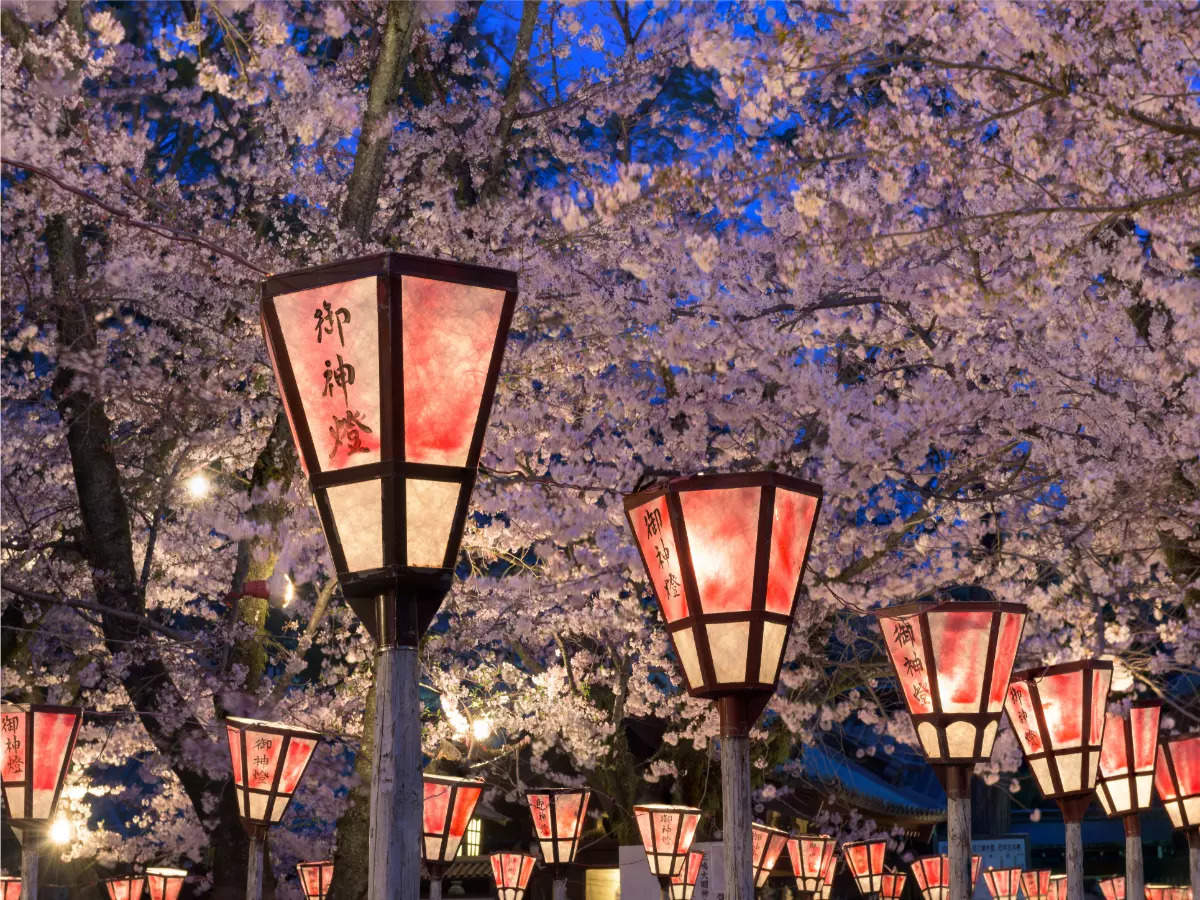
(481, 729)
(198, 486)
(289, 591)
(60, 831)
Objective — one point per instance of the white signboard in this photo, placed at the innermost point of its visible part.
(638, 884)
(1008, 852)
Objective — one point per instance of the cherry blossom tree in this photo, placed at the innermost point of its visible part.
(939, 258)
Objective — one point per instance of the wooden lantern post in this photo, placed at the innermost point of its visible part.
(683, 885)
(1125, 786)
(387, 366)
(447, 808)
(864, 859)
(1177, 780)
(558, 815)
(667, 834)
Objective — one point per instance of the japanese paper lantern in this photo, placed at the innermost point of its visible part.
(811, 856)
(10, 887)
(1058, 715)
(387, 367)
(953, 660)
(767, 844)
(1004, 884)
(34, 758)
(1036, 884)
(558, 820)
(865, 861)
(449, 805)
(125, 887)
(165, 884)
(269, 759)
(1113, 888)
(725, 555)
(315, 878)
(827, 885)
(511, 872)
(1058, 887)
(1177, 780)
(932, 875)
(893, 885)
(1125, 785)
(1159, 892)
(684, 884)
(667, 835)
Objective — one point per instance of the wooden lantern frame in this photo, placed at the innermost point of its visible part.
(1003, 884)
(460, 791)
(164, 883)
(413, 593)
(810, 882)
(500, 874)
(257, 826)
(323, 870)
(562, 846)
(1113, 888)
(683, 885)
(1139, 782)
(931, 875)
(869, 881)
(766, 848)
(676, 855)
(24, 818)
(893, 885)
(1059, 888)
(1183, 808)
(1036, 883)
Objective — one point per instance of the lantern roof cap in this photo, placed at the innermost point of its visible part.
(917, 607)
(723, 480)
(315, 862)
(389, 263)
(557, 790)
(665, 807)
(762, 826)
(453, 779)
(281, 727)
(169, 873)
(1038, 672)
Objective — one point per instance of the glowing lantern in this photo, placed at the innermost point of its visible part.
(667, 835)
(1159, 892)
(932, 875)
(449, 804)
(315, 878)
(1058, 715)
(725, 554)
(269, 759)
(1126, 782)
(1177, 780)
(387, 366)
(511, 872)
(827, 885)
(1058, 888)
(1036, 884)
(165, 884)
(1113, 888)
(768, 844)
(10, 887)
(1004, 884)
(953, 660)
(558, 819)
(812, 857)
(34, 758)
(893, 885)
(865, 861)
(125, 887)
(684, 884)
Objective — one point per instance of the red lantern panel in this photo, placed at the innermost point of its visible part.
(827, 885)
(10, 887)
(684, 884)
(269, 759)
(767, 844)
(1058, 888)
(811, 856)
(1113, 888)
(1036, 884)
(893, 885)
(953, 660)
(165, 884)
(35, 756)
(449, 805)
(126, 887)
(558, 819)
(1003, 884)
(725, 555)
(1058, 715)
(1177, 780)
(511, 872)
(667, 835)
(1159, 892)
(1126, 781)
(315, 878)
(932, 875)
(865, 861)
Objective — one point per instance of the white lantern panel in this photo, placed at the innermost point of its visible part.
(429, 513)
(727, 642)
(774, 634)
(358, 516)
(685, 644)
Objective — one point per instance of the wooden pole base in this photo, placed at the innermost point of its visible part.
(957, 781)
(31, 844)
(1135, 871)
(1074, 842)
(254, 867)
(736, 837)
(1193, 839)
(560, 889)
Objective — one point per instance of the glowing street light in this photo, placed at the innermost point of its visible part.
(268, 759)
(165, 884)
(1058, 715)
(125, 887)
(558, 815)
(387, 366)
(812, 858)
(447, 806)
(315, 878)
(767, 846)
(683, 885)
(35, 755)
(1177, 780)
(1005, 884)
(1125, 786)
(953, 660)
(511, 873)
(725, 555)
(667, 835)
(865, 861)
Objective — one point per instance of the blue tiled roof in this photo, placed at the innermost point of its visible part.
(867, 790)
